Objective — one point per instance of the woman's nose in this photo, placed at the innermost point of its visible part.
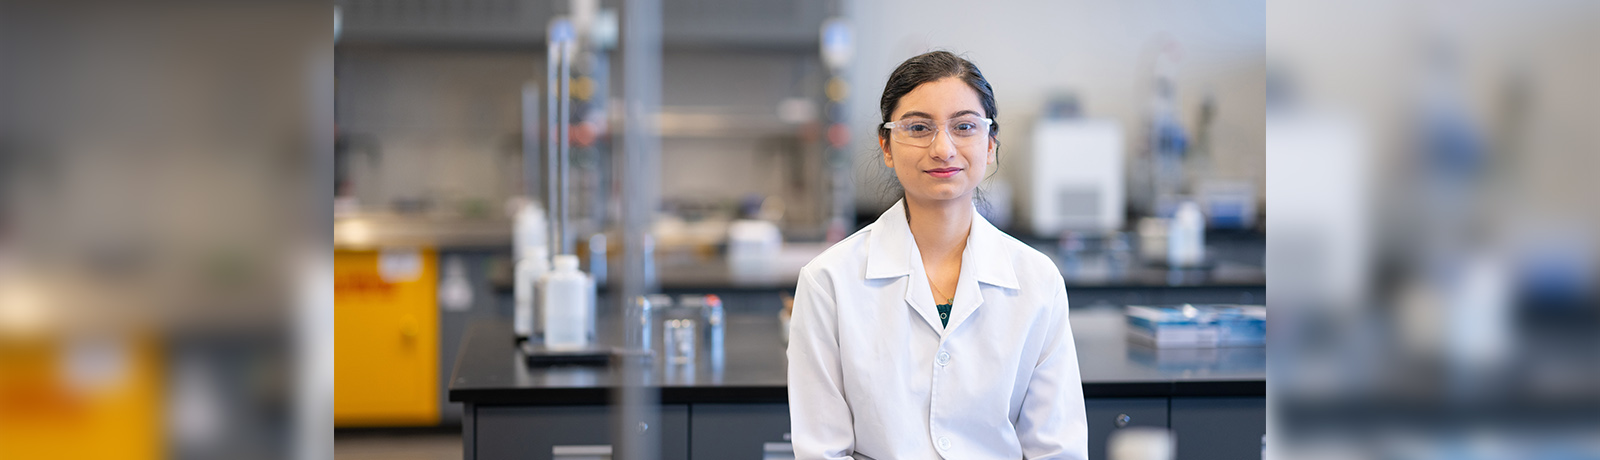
(944, 146)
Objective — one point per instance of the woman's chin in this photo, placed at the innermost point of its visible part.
(943, 193)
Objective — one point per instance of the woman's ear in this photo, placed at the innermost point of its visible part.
(994, 147)
(883, 146)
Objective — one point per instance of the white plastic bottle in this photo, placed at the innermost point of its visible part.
(529, 272)
(1141, 443)
(455, 293)
(1186, 236)
(532, 261)
(566, 304)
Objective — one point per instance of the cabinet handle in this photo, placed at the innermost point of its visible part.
(1122, 420)
(592, 452)
(777, 451)
(408, 327)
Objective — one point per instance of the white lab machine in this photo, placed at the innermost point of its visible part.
(1077, 176)
(753, 250)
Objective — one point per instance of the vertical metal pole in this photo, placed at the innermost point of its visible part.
(565, 144)
(552, 55)
(838, 45)
(530, 140)
(314, 321)
(637, 409)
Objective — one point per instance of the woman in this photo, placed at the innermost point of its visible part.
(930, 332)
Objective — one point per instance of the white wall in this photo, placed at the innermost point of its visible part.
(1102, 50)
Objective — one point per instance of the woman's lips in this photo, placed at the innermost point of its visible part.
(943, 172)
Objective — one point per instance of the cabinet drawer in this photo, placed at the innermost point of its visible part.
(1219, 428)
(1106, 415)
(736, 431)
(525, 433)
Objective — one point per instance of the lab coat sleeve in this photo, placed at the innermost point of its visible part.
(821, 426)
(1052, 424)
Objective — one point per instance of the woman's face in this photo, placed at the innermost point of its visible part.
(951, 167)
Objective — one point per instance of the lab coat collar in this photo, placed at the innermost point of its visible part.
(892, 253)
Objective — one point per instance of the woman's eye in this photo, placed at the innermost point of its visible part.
(918, 128)
(965, 126)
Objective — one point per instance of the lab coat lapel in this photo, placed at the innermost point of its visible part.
(892, 253)
(984, 261)
(920, 297)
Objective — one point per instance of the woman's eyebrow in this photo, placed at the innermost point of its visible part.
(914, 114)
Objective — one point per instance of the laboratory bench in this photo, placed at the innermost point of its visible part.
(733, 402)
(1213, 398)
(398, 343)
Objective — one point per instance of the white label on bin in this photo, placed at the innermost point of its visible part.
(399, 265)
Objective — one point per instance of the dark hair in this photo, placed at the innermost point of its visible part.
(930, 67)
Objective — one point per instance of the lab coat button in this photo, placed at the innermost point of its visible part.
(943, 358)
(944, 443)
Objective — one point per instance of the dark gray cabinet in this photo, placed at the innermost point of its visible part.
(1206, 428)
(1219, 428)
(735, 431)
(533, 432)
(1106, 415)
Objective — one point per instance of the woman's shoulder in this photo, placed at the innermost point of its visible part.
(847, 255)
(1031, 265)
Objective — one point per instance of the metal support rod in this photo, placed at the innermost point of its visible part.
(553, 183)
(639, 173)
(565, 145)
(530, 140)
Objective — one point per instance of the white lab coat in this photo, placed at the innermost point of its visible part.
(873, 374)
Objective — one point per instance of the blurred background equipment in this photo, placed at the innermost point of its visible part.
(695, 180)
(1077, 174)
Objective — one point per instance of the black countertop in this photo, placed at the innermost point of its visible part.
(753, 369)
(1234, 260)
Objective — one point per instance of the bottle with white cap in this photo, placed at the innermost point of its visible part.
(528, 272)
(532, 261)
(567, 304)
(1141, 443)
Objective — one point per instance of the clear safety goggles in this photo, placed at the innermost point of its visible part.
(920, 132)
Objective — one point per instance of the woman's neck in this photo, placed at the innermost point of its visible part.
(940, 228)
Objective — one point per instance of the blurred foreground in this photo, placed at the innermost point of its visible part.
(165, 272)
(1433, 238)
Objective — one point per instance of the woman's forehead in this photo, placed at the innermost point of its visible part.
(942, 98)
